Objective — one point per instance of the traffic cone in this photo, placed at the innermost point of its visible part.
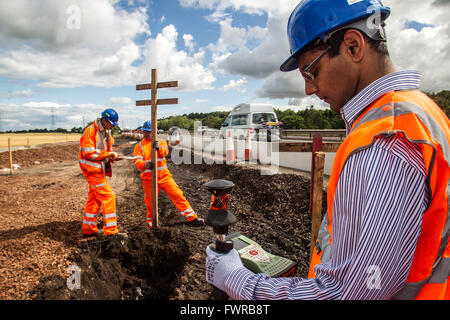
(248, 147)
(231, 157)
(177, 138)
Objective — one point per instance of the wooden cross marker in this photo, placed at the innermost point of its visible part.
(154, 102)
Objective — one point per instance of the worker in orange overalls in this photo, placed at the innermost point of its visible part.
(143, 162)
(95, 157)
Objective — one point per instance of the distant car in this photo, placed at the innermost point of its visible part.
(174, 130)
(259, 120)
(207, 131)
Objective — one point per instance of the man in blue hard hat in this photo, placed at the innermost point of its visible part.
(385, 234)
(95, 157)
(166, 182)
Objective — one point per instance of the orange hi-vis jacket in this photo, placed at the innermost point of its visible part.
(143, 151)
(94, 147)
(422, 122)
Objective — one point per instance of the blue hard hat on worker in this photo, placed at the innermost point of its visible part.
(111, 115)
(314, 20)
(147, 126)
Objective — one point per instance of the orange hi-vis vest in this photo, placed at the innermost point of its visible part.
(421, 121)
(142, 150)
(94, 147)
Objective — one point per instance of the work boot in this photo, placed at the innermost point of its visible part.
(89, 236)
(197, 222)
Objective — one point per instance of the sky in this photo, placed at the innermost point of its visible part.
(62, 62)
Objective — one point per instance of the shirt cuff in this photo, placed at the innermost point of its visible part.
(235, 283)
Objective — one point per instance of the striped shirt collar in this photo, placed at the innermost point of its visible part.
(401, 80)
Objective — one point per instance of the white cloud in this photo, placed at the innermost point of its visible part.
(281, 85)
(426, 50)
(231, 38)
(201, 100)
(38, 42)
(236, 85)
(222, 108)
(232, 53)
(45, 104)
(120, 100)
(188, 41)
(18, 94)
(173, 64)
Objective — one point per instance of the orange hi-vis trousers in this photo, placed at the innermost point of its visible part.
(100, 196)
(175, 194)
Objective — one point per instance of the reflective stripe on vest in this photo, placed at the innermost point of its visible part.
(90, 163)
(404, 108)
(99, 146)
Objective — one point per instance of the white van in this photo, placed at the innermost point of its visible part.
(260, 119)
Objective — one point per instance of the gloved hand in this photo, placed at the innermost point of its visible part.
(219, 265)
(113, 155)
(156, 144)
(148, 164)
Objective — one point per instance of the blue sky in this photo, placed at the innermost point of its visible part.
(73, 58)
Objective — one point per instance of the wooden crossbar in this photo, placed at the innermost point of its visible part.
(158, 102)
(160, 85)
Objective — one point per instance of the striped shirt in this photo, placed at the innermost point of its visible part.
(380, 198)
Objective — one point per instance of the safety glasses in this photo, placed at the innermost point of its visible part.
(306, 74)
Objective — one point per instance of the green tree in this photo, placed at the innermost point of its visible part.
(292, 121)
(442, 99)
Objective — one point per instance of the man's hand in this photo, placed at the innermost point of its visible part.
(219, 265)
(156, 144)
(113, 155)
(148, 164)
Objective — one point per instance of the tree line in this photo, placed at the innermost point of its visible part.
(310, 118)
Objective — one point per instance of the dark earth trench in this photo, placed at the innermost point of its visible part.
(168, 263)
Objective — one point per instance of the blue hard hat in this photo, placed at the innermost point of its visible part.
(111, 115)
(316, 19)
(147, 126)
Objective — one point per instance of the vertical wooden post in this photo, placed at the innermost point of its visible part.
(316, 198)
(153, 151)
(10, 156)
(317, 147)
(154, 102)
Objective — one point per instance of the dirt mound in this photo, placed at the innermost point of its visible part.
(26, 158)
(143, 265)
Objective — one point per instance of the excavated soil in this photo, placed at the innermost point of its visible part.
(40, 235)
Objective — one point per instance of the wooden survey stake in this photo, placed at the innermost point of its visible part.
(154, 102)
(10, 156)
(316, 198)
